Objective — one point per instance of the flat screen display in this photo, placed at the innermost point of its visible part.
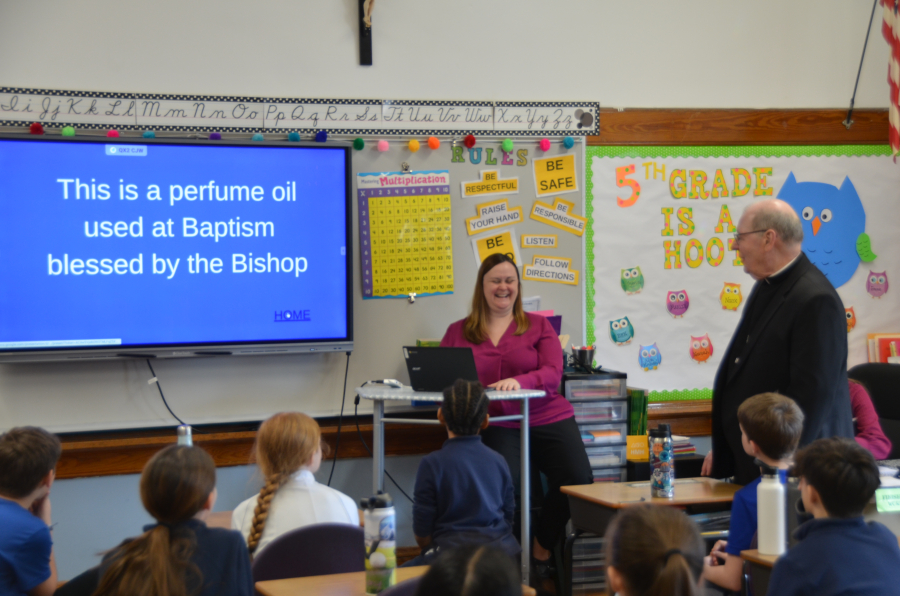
(113, 248)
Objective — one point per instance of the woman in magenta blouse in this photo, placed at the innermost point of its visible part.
(518, 350)
(866, 423)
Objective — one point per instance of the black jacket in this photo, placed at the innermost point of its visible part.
(798, 347)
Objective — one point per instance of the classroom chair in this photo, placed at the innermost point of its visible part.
(882, 381)
(319, 549)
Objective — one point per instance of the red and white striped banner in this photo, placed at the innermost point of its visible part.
(891, 30)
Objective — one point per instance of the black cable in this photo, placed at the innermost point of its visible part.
(361, 440)
(848, 122)
(158, 386)
(337, 444)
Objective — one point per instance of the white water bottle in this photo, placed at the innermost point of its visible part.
(771, 520)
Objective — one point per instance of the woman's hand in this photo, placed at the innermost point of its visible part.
(506, 385)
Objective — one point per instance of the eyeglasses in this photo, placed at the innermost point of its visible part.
(737, 235)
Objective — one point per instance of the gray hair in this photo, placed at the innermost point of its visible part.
(785, 223)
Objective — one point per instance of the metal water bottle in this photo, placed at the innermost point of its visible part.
(662, 462)
(770, 512)
(380, 541)
(184, 435)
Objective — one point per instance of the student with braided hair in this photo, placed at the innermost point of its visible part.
(288, 452)
(653, 550)
(464, 491)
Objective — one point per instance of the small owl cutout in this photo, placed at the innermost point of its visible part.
(701, 348)
(632, 280)
(731, 296)
(621, 331)
(649, 357)
(877, 284)
(851, 319)
(677, 303)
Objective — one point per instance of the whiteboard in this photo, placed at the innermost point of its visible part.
(82, 396)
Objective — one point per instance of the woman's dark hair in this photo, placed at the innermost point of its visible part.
(471, 571)
(475, 328)
(175, 485)
(657, 551)
(465, 406)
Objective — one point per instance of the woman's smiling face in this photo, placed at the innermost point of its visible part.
(501, 286)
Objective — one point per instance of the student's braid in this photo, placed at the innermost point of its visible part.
(263, 503)
(465, 406)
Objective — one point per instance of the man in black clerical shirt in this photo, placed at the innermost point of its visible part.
(792, 339)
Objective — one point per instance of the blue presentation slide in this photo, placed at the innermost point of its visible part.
(105, 244)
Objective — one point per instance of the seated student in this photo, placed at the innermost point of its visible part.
(28, 459)
(289, 452)
(866, 422)
(464, 491)
(653, 551)
(178, 555)
(839, 552)
(771, 425)
(471, 571)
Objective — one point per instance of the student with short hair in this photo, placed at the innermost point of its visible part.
(653, 551)
(771, 425)
(28, 457)
(178, 555)
(464, 491)
(471, 571)
(289, 451)
(839, 552)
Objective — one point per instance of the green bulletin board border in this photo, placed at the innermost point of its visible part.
(648, 152)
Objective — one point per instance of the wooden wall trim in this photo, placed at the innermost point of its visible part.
(692, 418)
(739, 127)
(126, 452)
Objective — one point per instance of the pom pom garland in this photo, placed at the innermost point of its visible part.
(215, 136)
(469, 141)
(149, 134)
(434, 142)
(383, 146)
(258, 137)
(545, 144)
(68, 131)
(507, 145)
(112, 133)
(568, 142)
(294, 137)
(36, 128)
(413, 145)
(321, 136)
(358, 143)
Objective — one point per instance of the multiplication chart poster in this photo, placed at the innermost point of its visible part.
(405, 235)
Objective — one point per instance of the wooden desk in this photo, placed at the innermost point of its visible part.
(340, 584)
(593, 505)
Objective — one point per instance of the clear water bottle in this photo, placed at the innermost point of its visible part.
(381, 542)
(770, 509)
(662, 462)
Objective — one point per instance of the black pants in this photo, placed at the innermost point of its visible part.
(556, 450)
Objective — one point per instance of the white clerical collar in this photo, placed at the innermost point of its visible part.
(783, 269)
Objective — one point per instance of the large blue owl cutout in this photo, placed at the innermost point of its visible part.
(833, 221)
